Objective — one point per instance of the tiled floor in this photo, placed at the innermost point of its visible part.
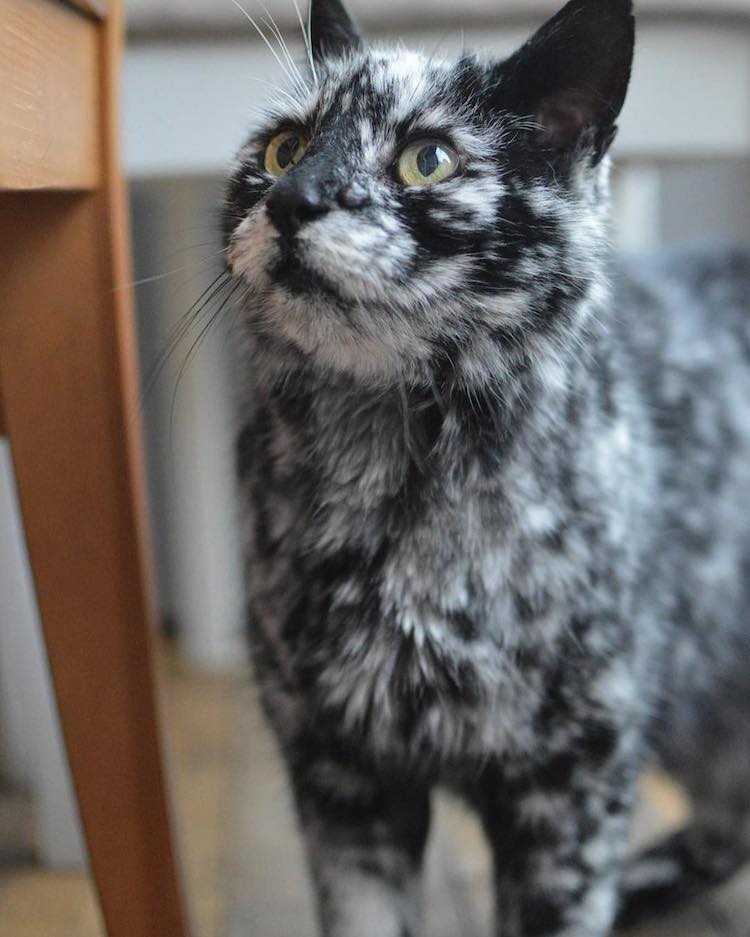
(243, 859)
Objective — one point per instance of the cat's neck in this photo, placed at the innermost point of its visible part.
(462, 417)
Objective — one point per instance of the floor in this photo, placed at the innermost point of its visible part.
(243, 861)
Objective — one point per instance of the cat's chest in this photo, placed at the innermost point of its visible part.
(442, 640)
(419, 606)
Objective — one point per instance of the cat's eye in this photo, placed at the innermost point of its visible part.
(426, 162)
(284, 151)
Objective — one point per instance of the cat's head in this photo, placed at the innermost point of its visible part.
(400, 211)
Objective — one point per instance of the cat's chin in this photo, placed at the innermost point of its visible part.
(294, 275)
(340, 337)
(356, 260)
(369, 359)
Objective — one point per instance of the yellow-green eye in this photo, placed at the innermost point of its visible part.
(426, 162)
(285, 151)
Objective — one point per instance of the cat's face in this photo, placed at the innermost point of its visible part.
(406, 211)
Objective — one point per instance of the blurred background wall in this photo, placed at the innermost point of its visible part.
(194, 82)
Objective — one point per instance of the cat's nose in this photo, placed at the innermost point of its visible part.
(353, 195)
(291, 203)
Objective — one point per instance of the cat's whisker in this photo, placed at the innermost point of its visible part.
(266, 40)
(276, 32)
(436, 48)
(152, 279)
(197, 342)
(177, 335)
(182, 327)
(309, 25)
(155, 278)
(271, 23)
(306, 38)
(276, 88)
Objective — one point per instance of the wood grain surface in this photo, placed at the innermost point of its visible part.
(96, 8)
(68, 385)
(49, 96)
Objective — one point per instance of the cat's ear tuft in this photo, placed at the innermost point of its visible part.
(572, 75)
(332, 32)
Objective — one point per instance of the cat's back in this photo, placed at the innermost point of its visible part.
(684, 309)
(682, 320)
(684, 323)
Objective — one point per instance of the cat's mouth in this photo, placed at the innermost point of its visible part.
(291, 271)
(344, 259)
(337, 259)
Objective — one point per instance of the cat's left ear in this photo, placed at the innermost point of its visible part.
(332, 32)
(572, 75)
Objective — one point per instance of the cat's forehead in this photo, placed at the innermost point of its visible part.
(386, 91)
(390, 73)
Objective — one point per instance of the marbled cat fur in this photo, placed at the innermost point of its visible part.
(496, 487)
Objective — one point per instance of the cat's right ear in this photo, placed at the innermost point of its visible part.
(572, 75)
(332, 32)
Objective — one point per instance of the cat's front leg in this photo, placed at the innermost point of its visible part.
(559, 841)
(365, 837)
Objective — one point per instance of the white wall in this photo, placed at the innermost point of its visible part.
(188, 105)
(189, 419)
(150, 15)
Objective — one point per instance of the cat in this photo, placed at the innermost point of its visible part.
(496, 484)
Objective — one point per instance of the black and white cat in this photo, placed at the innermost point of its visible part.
(497, 489)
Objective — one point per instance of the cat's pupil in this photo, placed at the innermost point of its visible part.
(287, 151)
(429, 158)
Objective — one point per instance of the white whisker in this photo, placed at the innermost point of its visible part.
(307, 40)
(266, 41)
(273, 87)
(269, 21)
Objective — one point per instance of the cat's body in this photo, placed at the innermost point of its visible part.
(496, 497)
